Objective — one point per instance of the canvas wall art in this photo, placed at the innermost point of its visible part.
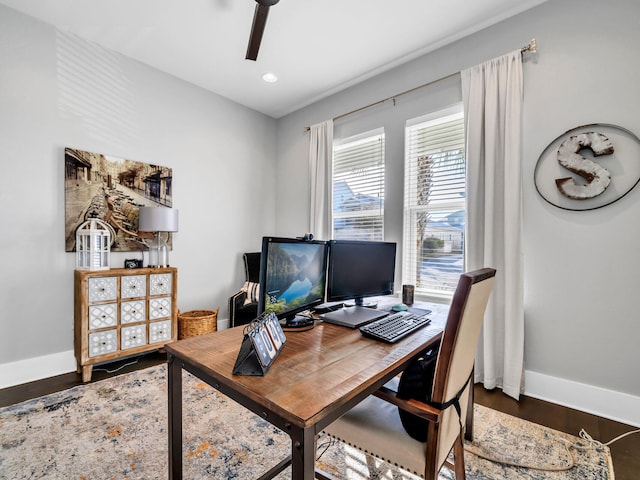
(113, 190)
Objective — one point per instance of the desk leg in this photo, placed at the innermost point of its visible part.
(174, 391)
(303, 455)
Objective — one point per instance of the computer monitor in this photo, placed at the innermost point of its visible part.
(359, 269)
(292, 277)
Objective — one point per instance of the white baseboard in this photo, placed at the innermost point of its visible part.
(31, 369)
(610, 404)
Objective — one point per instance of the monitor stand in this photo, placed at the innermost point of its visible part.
(360, 302)
(296, 323)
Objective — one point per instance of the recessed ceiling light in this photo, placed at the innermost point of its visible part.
(270, 77)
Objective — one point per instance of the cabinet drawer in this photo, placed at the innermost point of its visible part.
(133, 286)
(132, 312)
(101, 343)
(102, 316)
(133, 336)
(160, 331)
(159, 284)
(159, 308)
(102, 289)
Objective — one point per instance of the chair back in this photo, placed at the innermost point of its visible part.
(457, 355)
(252, 266)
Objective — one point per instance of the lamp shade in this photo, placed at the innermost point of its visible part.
(158, 219)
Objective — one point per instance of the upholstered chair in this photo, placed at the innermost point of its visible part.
(243, 305)
(374, 425)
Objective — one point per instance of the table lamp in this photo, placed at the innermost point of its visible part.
(158, 220)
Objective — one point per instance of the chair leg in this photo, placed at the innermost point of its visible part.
(431, 470)
(458, 458)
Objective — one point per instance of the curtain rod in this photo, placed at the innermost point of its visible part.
(530, 47)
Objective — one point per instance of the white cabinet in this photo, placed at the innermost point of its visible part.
(121, 312)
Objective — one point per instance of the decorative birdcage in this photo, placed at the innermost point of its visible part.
(93, 245)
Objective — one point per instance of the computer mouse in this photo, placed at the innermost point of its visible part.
(401, 307)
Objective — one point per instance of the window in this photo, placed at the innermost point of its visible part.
(358, 187)
(434, 202)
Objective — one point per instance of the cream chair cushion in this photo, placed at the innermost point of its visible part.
(380, 435)
(384, 436)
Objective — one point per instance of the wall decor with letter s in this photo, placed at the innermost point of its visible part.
(588, 167)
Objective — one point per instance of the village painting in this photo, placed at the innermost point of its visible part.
(113, 190)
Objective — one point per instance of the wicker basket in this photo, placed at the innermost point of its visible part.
(197, 322)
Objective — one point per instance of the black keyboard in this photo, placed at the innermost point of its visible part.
(395, 326)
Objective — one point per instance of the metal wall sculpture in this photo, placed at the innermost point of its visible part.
(588, 167)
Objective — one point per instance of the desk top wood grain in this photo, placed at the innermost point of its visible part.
(318, 371)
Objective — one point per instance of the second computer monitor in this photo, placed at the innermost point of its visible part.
(359, 269)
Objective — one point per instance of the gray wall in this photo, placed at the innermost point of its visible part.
(53, 94)
(580, 267)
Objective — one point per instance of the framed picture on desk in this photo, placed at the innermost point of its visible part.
(262, 342)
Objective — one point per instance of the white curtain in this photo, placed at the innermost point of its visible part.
(492, 95)
(320, 155)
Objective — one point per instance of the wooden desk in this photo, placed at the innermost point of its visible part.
(319, 375)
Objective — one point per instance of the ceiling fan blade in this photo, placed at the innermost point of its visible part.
(257, 29)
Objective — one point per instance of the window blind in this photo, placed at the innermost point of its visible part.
(358, 187)
(434, 203)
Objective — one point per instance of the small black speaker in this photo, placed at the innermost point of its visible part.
(133, 263)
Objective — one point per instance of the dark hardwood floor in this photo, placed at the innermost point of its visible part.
(625, 452)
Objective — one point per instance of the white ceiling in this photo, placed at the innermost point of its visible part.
(315, 47)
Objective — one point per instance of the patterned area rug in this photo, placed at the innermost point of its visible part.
(117, 429)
